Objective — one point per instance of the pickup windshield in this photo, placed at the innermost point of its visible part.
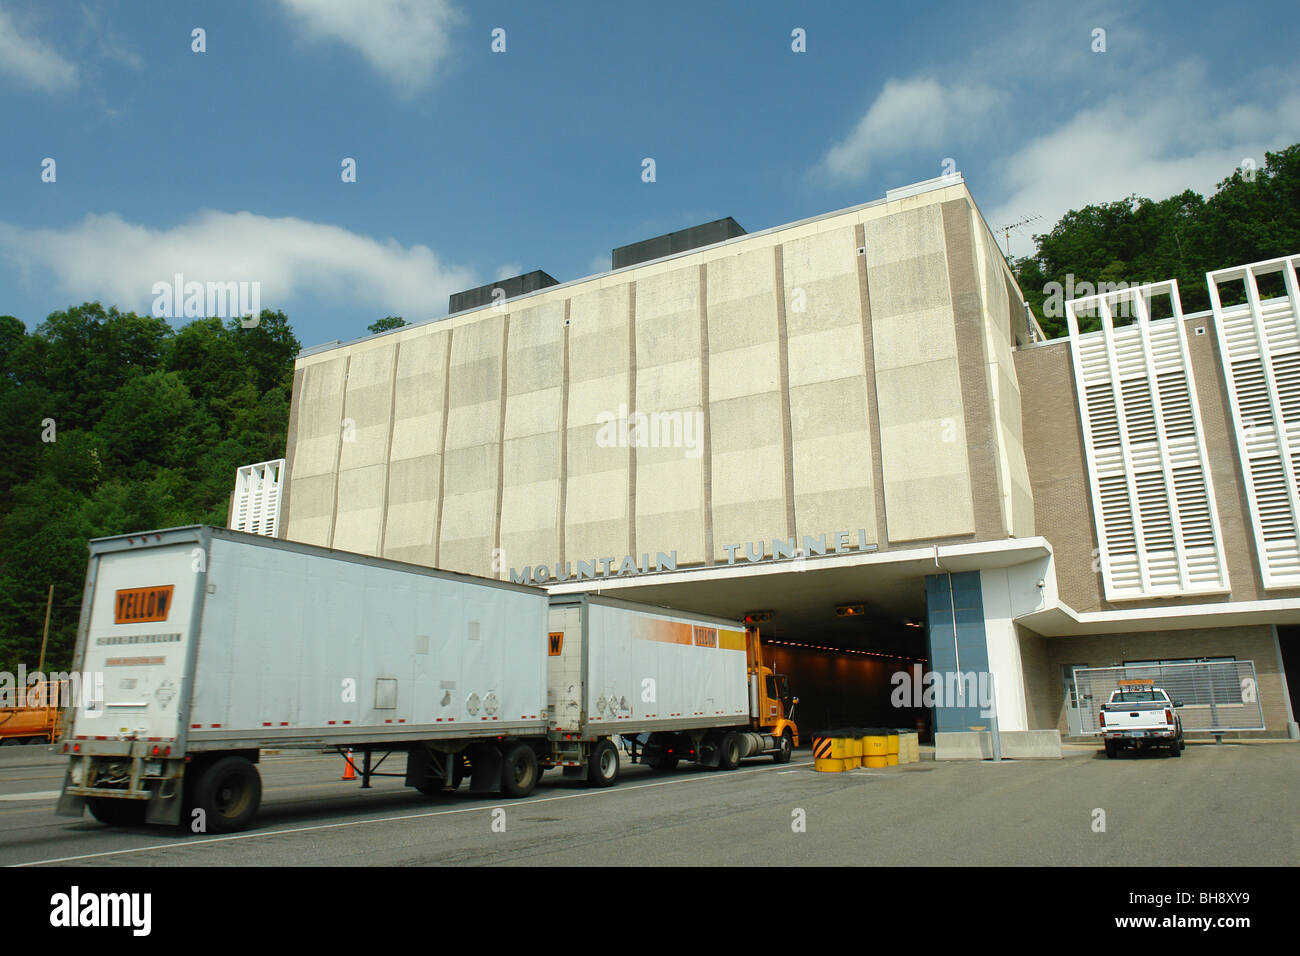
(1138, 697)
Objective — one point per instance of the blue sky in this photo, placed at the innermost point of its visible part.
(471, 165)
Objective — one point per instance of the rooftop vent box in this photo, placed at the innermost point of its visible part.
(682, 240)
(516, 285)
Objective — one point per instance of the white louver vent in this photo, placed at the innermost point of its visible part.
(1157, 526)
(1260, 344)
(256, 504)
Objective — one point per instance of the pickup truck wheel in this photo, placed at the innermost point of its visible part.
(729, 752)
(1112, 748)
(229, 793)
(786, 750)
(602, 768)
(1177, 749)
(117, 813)
(519, 771)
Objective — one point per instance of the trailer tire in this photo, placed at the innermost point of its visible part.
(729, 752)
(519, 771)
(602, 767)
(786, 748)
(117, 813)
(664, 762)
(228, 792)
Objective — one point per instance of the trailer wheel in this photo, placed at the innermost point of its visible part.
(663, 761)
(729, 752)
(117, 813)
(602, 768)
(229, 793)
(519, 771)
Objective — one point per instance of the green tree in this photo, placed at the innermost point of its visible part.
(386, 323)
(1252, 216)
(149, 426)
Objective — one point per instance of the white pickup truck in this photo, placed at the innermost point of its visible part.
(1141, 716)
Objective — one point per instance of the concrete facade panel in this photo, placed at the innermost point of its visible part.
(825, 356)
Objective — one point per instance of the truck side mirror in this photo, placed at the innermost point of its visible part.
(1178, 703)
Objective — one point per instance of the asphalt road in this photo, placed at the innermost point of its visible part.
(1226, 805)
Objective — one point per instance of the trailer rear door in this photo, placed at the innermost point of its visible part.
(138, 641)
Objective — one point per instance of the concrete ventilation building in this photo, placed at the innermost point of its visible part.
(853, 425)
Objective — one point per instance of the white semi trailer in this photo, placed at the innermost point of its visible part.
(213, 645)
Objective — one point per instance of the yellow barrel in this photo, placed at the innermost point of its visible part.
(829, 764)
(877, 748)
(834, 745)
(891, 760)
(891, 743)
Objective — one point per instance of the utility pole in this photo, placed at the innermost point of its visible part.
(49, 603)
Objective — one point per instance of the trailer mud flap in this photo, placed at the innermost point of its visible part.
(166, 804)
(485, 767)
(70, 804)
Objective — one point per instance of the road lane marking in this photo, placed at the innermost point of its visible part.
(42, 795)
(484, 806)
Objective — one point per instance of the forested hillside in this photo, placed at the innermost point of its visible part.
(113, 422)
(1253, 215)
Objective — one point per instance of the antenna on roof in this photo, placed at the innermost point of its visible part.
(1006, 230)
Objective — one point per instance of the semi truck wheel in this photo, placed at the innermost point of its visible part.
(602, 768)
(117, 813)
(786, 750)
(519, 771)
(664, 761)
(228, 792)
(729, 752)
(436, 786)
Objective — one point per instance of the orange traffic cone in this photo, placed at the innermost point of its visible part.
(350, 770)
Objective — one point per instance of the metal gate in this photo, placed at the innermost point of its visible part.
(1216, 695)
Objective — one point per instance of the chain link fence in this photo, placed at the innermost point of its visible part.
(1216, 695)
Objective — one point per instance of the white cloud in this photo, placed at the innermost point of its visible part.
(107, 258)
(404, 40)
(31, 61)
(507, 270)
(911, 115)
(1177, 131)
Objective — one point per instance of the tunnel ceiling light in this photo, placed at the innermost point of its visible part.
(848, 650)
(851, 610)
(912, 622)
